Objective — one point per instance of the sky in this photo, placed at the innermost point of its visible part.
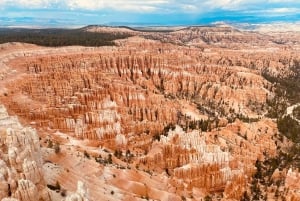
(61, 13)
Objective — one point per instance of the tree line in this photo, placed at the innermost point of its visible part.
(59, 37)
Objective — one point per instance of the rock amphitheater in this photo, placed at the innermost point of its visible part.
(127, 122)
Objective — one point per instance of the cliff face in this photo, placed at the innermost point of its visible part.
(21, 161)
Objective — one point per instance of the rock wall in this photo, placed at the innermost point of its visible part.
(21, 161)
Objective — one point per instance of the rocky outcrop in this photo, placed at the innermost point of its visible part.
(292, 184)
(80, 195)
(208, 161)
(188, 158)
(235, 189)
(21, 161)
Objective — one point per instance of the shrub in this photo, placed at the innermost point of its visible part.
(86, 154)
(57, 148)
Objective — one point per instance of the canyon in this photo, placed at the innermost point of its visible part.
(176, 115)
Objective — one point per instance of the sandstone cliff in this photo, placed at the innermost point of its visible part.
(21, 161)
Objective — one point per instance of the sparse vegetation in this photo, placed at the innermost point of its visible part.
(156, 137)
(55, 187)
(57, 148)
(289, 128)
(263, 176)
(207, 198)
(247, 119)
(104, 161)
(287, 87)
(204, 125)
(86, 154)
(109, 159)
(63, 192)
(167, 128)
(287, 91)
(49, 144)
(118, 153)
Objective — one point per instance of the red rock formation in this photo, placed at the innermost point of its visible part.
(292, 184)
(21, 161)
(188, 158)
(74, 88)
(121, 97)
(81, 193)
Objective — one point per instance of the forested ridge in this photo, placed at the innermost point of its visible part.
(59, 37)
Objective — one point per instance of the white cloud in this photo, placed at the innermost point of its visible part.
(148, 6)
(29, 3)
(130, 5)
(225, 4)
(284, 10)
(283, 1)
(126, 5)
(189, 8)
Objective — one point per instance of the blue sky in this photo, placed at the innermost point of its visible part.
(148, 12)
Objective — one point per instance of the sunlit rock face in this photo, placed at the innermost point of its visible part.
(21, 161)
